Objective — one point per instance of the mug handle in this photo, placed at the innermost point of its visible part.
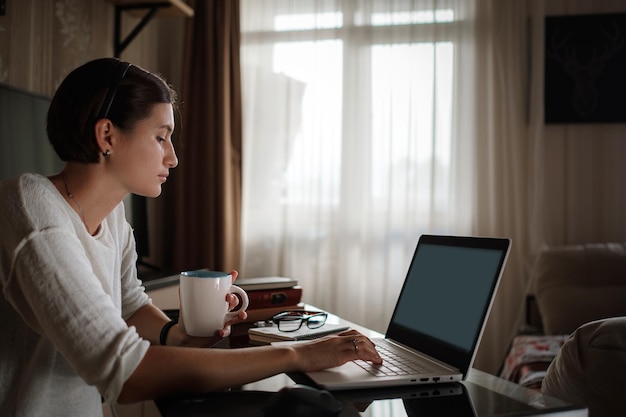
(243, 305)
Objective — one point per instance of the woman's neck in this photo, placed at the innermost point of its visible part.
(85, 189)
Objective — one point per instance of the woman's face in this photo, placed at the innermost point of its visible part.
(146, 153)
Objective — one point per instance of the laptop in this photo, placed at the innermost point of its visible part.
(438, 319)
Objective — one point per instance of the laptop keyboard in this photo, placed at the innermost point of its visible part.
(393, 364)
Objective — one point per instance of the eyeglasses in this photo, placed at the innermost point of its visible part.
(118, 76)
(290, 321)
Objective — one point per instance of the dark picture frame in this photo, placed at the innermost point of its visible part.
(585, 69)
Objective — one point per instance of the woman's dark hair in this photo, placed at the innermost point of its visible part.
(102, 88)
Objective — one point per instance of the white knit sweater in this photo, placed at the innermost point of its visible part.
(65, 295)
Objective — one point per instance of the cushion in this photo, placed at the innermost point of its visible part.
(578, 284)
(590, 369)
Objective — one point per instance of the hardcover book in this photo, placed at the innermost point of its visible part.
(274, 297)
(262, 314)
(265, 283)
(269, 334)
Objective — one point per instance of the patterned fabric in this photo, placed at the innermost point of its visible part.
(529, 358)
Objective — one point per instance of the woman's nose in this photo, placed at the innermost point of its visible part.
(172, 159)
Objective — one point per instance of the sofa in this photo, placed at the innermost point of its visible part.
(569, 287)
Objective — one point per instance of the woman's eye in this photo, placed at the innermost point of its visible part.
(160, 139)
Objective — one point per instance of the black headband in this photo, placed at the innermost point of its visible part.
(119, 74)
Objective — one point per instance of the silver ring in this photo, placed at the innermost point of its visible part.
(354, 342)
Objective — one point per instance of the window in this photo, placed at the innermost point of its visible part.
(349, 149)
(410, 93)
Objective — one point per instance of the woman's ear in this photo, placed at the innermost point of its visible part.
(103, 131)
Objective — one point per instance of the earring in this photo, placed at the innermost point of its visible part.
(106, 153)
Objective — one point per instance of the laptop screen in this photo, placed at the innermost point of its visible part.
(447, 294)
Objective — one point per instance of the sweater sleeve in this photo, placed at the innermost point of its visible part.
(53, 288)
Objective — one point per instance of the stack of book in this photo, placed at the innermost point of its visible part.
(270, 295)
(269, 334)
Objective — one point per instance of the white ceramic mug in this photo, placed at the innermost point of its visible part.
(203, 301)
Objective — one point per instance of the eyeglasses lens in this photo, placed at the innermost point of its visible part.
(289, 323)
(316, 321)
(292, 321)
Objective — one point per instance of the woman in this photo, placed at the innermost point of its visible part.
(76, 323)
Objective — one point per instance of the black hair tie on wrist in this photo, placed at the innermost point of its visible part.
(165, 330)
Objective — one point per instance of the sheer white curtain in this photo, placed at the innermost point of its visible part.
(368, 123)
(357, 139)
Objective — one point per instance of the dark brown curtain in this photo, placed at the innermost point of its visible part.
(203, 199)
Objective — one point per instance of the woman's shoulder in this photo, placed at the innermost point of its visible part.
(32, 195)
(27, 189)
(25, 182)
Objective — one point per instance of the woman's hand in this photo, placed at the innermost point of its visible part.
(233, 302)
(183, 339)
(336, 350)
